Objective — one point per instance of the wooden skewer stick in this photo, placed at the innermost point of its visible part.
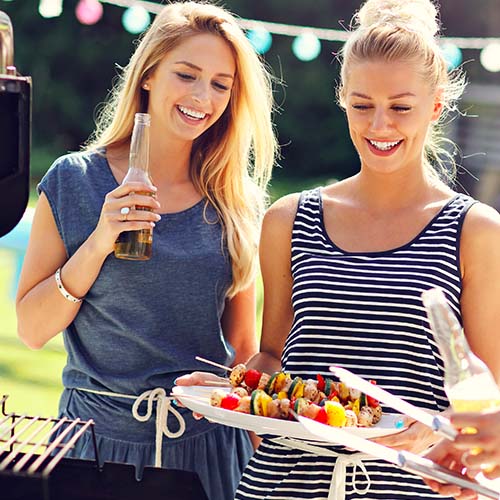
(213, 363)
(222, 383)
(188, 396)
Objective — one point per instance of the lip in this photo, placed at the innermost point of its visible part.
(378, 152)
(189, 120)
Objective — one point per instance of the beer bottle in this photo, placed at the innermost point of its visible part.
(137, 245)
(469, 384)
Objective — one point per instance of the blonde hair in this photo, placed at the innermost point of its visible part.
(231, 162)
(397, 30)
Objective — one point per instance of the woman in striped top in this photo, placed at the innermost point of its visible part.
(344, 266)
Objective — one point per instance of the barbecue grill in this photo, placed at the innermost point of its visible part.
(33, 466)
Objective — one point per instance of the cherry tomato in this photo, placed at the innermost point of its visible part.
(252, 378)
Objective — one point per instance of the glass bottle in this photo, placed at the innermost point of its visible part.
(469, 384)
(137, 245)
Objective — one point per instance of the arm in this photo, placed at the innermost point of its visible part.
(238, 324)
(42, 312)
(480, 302)
(274, 252)
(275, 262)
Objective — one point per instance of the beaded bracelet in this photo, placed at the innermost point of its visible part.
(63, 290)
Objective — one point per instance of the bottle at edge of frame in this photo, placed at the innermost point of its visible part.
(137, 245)
(468, 382)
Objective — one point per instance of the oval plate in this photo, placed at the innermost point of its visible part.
(197, 399)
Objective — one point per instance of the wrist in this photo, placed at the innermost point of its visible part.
(63, 290)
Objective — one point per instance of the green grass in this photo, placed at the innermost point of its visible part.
(32, 379)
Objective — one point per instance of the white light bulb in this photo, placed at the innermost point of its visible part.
(50, 8)
(490, 57)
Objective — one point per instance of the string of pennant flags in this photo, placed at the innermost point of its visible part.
(307, 40)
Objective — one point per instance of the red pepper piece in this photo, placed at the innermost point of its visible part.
(230, 402)
(321, 382)
(372, 401)
(321, 417)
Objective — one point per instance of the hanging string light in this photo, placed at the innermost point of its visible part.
(260, 39)
(50, 8)
(490, 57)
(452, 55)
(260, 33)
(89, 11)
(306, 46)
(136, 19)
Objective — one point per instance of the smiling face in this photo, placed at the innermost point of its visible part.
(191, 87)
(389, 110)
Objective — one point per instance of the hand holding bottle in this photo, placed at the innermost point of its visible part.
(112, 221)
(477, 452)
(481, 449)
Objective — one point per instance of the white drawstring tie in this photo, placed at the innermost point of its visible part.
(163, 407)
(338, 482)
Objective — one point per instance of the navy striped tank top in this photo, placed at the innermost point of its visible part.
(363, 312)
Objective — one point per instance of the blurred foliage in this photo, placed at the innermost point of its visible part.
(73, 67)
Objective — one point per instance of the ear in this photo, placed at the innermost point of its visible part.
(438, 105)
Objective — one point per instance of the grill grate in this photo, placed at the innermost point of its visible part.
(28, 443)
(33, 466)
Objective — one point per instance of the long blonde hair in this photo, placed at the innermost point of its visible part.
(231, 162)
(396, 30)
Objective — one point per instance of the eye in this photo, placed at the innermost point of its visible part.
(220, 86)
(361, 107)
(401, 109)
(185, 76)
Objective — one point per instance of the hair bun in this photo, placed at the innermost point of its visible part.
(414, 15)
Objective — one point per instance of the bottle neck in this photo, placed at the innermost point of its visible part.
(450, 337)
(139, 148)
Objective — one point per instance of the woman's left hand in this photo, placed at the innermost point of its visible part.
(199, 378)
(415, 438)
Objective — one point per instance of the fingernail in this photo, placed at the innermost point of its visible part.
(175, 381)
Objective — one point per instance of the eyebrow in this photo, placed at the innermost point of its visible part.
(197, 68)
(397, 96)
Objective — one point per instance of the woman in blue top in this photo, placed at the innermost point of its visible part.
(131, 328)
(344, 266)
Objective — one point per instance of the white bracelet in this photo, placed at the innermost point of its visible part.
(63, 290)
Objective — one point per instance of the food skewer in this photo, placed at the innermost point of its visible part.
(213, 363)
(236, 374)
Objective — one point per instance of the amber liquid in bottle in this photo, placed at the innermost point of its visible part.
(137, 245)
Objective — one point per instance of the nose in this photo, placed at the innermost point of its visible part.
(380, 120)
(201, 92)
